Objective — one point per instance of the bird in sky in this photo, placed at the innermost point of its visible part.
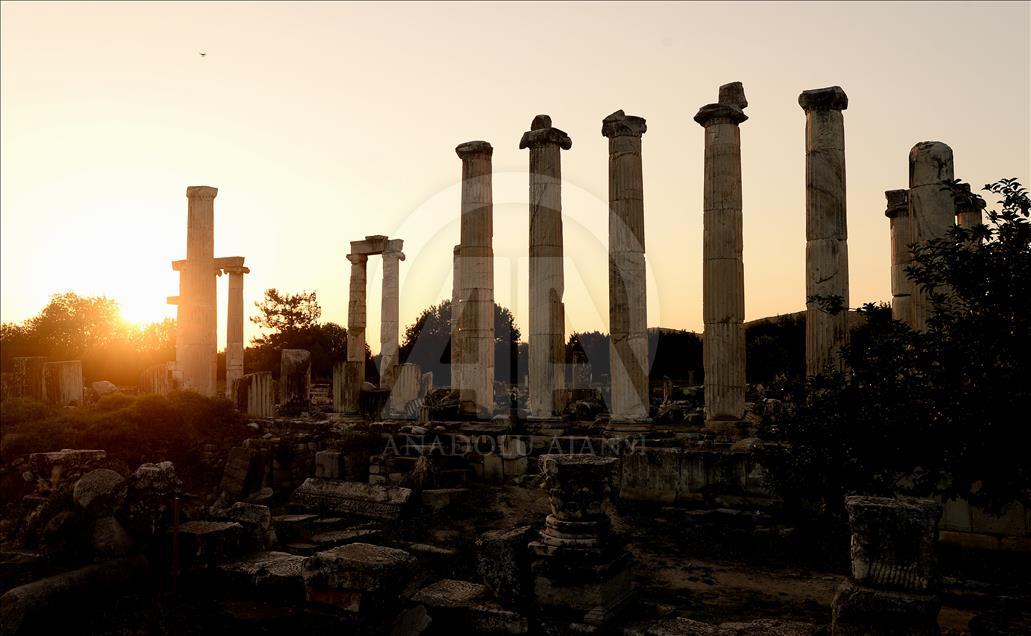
(203, 54)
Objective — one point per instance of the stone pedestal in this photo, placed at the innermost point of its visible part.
(29, 378)
(901, 236)
(826, 230)
(295, 379)
(932, 210)
(723, 277)
(894, 584)
(234, 327)
(580, 572)
(354, 370)
(196, 344)
(628, 306)
(547, 286)
(159, 379)
(63, 382)
(389, 314)
(476, 305)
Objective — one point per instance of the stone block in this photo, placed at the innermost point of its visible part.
(439, 498)
(956, 515)
(353, 497)
(256, 520)
(206, 543)
(67, 464)
(330, 465)
(242, 474)
(291, 528)
(100, 492)
(502, 561)
(893, 541)
(493, 468)
(859, 610)
(463, 607)
(1012, 522)
(358, 577)
(650, 475)
(273, 575)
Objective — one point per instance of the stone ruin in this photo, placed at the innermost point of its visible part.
(314, 508)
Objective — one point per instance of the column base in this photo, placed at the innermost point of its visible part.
(728, 428)
(629, 425)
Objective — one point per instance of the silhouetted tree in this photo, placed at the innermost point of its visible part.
(942, 411)
(427, 342)
(775, 348)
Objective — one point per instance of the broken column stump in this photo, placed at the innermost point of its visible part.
(894, 585)
(581, 573)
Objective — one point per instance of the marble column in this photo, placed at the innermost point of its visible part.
(968, 208)
(932, 210)
(476, 306)
(723, 278)
(456, 299)
(388, 337)
(234, 328)
(628, 318)
(897, 212)
(196, 338)
(354, 371)
(826, 230)
(547, 286)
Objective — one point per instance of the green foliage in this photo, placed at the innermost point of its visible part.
(775, 349)
(942, 411)
(134, 430)
(90, 329)
(427, 342)
(290, 321)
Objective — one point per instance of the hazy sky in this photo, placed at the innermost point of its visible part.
(322, 123)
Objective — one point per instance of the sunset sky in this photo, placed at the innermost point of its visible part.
(321, 123)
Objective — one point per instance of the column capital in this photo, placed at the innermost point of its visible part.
(358, 259)
(541, 133)
(201, 192)
(619, 124)
(898, 203)
(236, 270)
(394, 254)
(830, 98)
(966, 201)
(719, 114)
(470, 149)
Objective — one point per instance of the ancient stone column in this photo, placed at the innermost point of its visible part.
(826, 231)
(723, 277)
(354, 372)
(476, 324)
(63, 381)
(456, 299)
(968, 208)
(388, 337)
(901, 236)
(234, 328)
(932, 210)
(196, 339)
(628, 307)
(547, 311)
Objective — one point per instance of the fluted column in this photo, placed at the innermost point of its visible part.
(897, 212)
(826, 230)
(196, 331)
(476, 327)
(932, 210)
(456, 300)
(234, 328)
(354, 372)
(547, 284)
(628, 307)
(388, 336)
(723, 278)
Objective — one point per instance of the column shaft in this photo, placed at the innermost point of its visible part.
(354, 373)
(547, 284)
(196, 331)
(628, 318)
(901, 236)
(389, 317)
(476, 326)
(932, 209)
(826, 254)
(723, 285)
(234, 331)
(456, 299)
